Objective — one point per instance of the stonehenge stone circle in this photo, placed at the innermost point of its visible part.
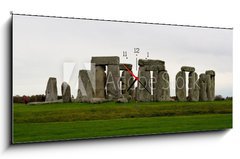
(51, 90)
(105, 70)
(181, 86)
(66, 92)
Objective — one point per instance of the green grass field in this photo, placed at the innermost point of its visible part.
(33, 123)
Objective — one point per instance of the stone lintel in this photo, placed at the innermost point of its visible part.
(121, 66)
(210, 72)
(187, 68)
(105, 60)
(144, 62)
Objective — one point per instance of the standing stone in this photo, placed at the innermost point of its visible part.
(203, 87)
(51, 90)
(142, 94)
(181, 86)
(127, 80)
(163, 90)
(113, 82)
(66, 92)
(193, 88)
(210, 85)
(85, 88)
(100, 81)
(155, 84)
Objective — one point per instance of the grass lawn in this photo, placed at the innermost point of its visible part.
(33, 123)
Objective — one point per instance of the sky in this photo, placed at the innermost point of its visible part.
(46, 47)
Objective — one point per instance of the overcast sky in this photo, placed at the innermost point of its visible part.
(55, 47)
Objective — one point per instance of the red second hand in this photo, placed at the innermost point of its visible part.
(136, 78)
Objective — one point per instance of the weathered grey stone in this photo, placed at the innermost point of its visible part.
(85, 88)
(142, 94)
(210, 85)
(51, 90)
(210, 72)
(100, 82)
(113, 82)
(193, 88)
(122, 100)
(66, 92)
(181, 86)
(162, 87)
(105, 60)
(187, 69)
(143, 62)
(127, 80)
(155, 68)
(203, 87)
(93, 100)
(122, 66)
(155, 83)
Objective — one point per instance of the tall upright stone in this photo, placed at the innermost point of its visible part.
(163, 90)
(181, 86)
(193, 87)
(100, 91)
(210, 85)
(144, 76)
(85, 85)
(203, 87)
(113, 82)
(66, 92)
(127, 80)
(51, 90)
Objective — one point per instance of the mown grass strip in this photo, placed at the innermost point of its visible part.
(36, 132)
(67, 112)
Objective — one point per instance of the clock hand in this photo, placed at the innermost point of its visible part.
(136, 79)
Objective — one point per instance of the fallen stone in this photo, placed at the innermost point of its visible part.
(93, 100)
(42, 103)
(122, 100)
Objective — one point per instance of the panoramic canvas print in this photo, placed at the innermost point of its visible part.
(78, 78)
